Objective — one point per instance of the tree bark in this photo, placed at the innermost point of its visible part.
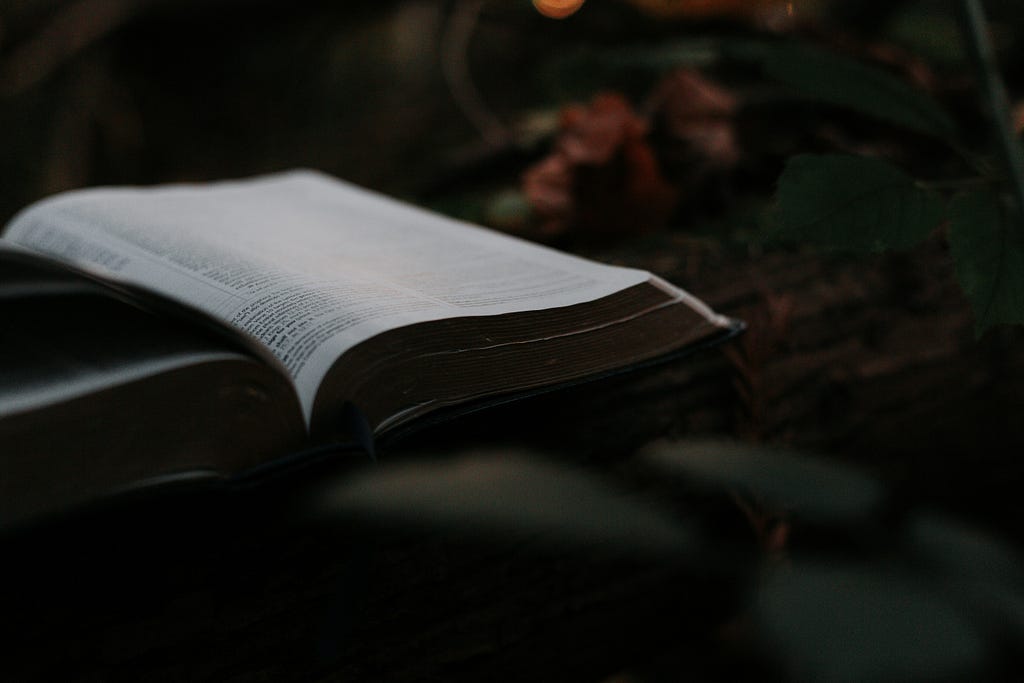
(872, 357)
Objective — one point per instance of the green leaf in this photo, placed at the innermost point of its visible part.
(982, 573)
(988, 249)
(866, 624)
(832, 79)
(814, 488)
(496, 495)
(855, 203)
(962, 552)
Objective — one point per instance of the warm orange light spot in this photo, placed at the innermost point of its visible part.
(557, 9)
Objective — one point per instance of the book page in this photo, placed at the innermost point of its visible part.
(307, 265)
(73, 350)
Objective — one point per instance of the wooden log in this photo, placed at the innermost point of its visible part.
(871, 357)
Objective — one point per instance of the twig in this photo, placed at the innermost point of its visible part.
(983, 55)
(455, 67)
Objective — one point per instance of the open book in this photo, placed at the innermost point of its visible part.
(197, 331)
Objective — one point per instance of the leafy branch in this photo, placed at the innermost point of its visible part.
(864, 204)
(928, 595)
(983, 56)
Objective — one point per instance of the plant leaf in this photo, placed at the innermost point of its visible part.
(982, 573)
(832, 79)
(500, 494)
(865, 624)
(962, 552)
(854, 203)
(988, 249)
(817, 489)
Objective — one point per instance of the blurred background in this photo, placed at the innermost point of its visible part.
(414, 97)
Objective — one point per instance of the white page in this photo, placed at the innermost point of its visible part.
(306, 264)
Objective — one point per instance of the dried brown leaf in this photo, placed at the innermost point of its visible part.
(602, 178)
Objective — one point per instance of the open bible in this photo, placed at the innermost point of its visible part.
(200, 331)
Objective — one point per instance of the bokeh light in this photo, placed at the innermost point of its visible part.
(558, 9)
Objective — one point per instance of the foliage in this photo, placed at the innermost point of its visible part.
(927, 597)
(867, 204)
(852, 202)
(509, 494)
(892, 626)
(831, 79)
(988, 248)
(804, 486)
